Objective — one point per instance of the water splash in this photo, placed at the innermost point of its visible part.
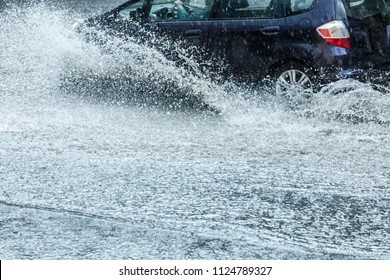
(41, 56)
(352, 102)
(34, 43)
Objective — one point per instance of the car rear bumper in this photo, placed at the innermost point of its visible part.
(336, 63)
(376, 75)
(371, 75)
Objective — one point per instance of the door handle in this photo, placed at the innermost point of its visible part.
(271, 30)
(193, 33)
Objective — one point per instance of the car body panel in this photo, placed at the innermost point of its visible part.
(248, 46)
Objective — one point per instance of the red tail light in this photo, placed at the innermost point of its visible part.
(336, 33)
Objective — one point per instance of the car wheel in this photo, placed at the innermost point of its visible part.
(294, 82)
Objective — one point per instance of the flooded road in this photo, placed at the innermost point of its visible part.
(123, 155)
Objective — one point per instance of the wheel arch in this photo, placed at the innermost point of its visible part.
(280, 63)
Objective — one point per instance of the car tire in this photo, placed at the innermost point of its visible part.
(295, 82)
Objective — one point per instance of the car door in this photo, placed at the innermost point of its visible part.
(188, 28)
(162, 24)
(161, 16)
(125, 20)
(248, 35)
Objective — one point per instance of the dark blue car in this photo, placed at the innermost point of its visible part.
(298, 43)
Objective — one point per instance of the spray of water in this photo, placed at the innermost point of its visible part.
(42, 56)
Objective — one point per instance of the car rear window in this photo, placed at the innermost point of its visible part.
(360, 9)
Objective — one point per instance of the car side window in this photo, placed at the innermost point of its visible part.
(295, 7)
(242, 9)
(173, 10)
(130, 11)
